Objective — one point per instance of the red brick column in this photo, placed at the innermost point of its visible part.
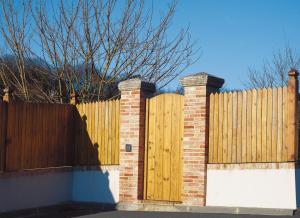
(197, 88)
(132, 133)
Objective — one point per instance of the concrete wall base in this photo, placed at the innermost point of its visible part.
(207, 209)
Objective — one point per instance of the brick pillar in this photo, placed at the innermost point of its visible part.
(132, 134)
(197, 88)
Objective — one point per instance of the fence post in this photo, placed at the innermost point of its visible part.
(132, 134)
(3, 129)
(197, 88)
(292, 136)
(73, 98)
(7, 94)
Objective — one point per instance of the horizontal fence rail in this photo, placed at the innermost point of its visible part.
(251, 126)
(98, 133)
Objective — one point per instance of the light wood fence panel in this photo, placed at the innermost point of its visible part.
(97, 135)
(251, 126)
(163, 148)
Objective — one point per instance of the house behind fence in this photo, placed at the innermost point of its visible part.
(204, 148)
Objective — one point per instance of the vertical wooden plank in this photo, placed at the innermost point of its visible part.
(100, 130)
(109, 150)
(258, 127)
(253, 125)
(27, 143)
(80, 142)
(113, 132)
(3, 127)
(91, 140)
(216, 128)
(239, 127)
(106, 126)
(230, 122)
(85, 135)
(220, 128)
(103, 132)
(249, 125)
(280, 126)
(83, 152)
(225, 128)
(38, 121)
(274, 125)
(118, 132)
(244, 127)
(293, 131)
(146, 158)
(211, 128)
(166, 161)
(269, 125)
(34, 141)
(57, 135)
(264, 112)
(44, 136)
(285, 125)
(70, 135)
(159, 149)
(180, 147)
(96, 133)
(10, 154)
(175, 137)
(22, 136)
(151, 170)
(234, 126)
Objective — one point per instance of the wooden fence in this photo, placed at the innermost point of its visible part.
(97, 133)
(253, 126)
(3, 112)
(35, 135)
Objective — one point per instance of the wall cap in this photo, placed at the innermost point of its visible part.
(202, 79)
(136, 83)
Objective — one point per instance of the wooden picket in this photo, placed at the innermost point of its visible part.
(251, 126)
(97, 135)
(3, 113)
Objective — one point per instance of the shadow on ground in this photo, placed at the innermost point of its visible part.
(61, 211)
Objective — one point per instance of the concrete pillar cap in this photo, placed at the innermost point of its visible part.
(202, 79)
(135, 84)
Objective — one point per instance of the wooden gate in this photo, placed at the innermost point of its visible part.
(163, 152)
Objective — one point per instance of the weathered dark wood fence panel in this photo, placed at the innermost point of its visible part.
(3, 112)
(38, 136)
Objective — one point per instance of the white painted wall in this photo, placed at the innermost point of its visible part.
(96, 186)
(35, 190)
(49, 188)
(258, 188)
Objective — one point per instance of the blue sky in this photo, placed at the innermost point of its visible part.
(237, 34)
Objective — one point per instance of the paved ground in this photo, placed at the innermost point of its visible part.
(123, 214)
(99, 212)
(120, 214)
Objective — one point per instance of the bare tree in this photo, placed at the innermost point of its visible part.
(89, 46)
(274, 72)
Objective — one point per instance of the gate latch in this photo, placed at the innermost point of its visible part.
(128, 148)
